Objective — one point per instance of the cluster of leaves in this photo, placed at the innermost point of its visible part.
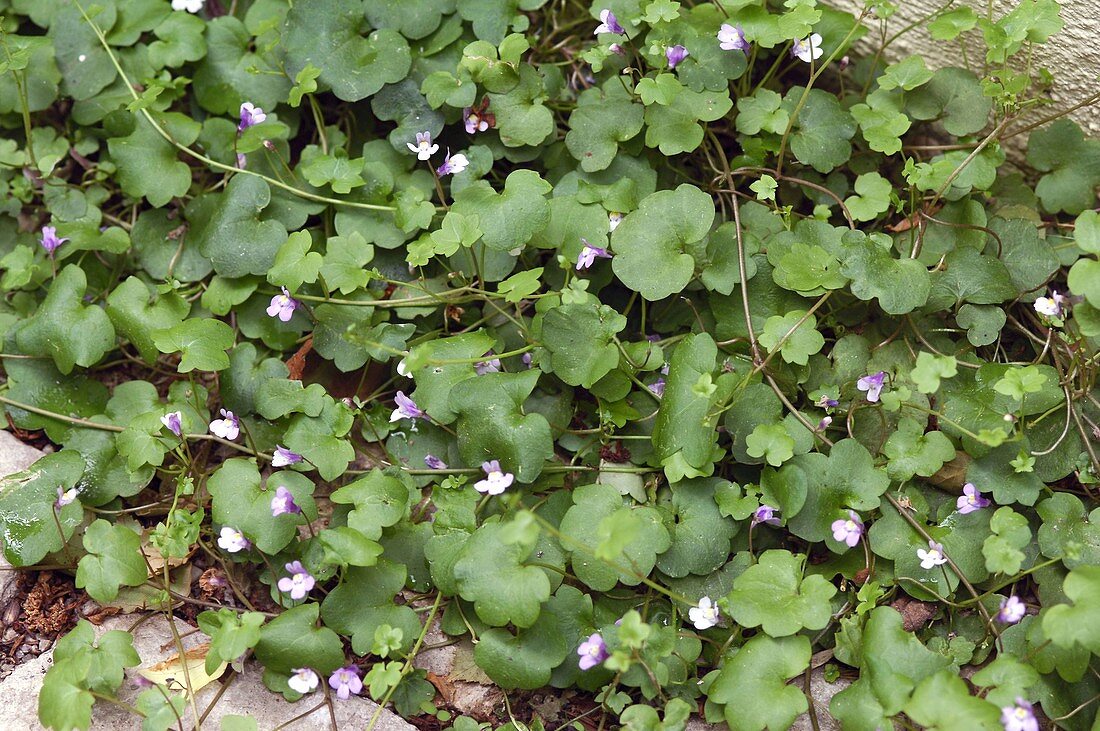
(778, 231)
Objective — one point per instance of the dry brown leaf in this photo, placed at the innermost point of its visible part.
(171, 673)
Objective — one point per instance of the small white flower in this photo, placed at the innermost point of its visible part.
(932, 557)
(191, 6)
(613, 220)
(227, 427)
(232, 540)
(496, 480)
(1051, 306)
(704, 615)
(303, 680)
(424, 149)
(808, 49)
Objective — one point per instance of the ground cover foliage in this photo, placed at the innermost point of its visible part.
(660, 348)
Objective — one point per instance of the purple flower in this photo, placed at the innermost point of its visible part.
(657, 388)
(282, 306)
(474, 120)
(49, 239)
(284, 457)
(65, 497)
(608, 24)
(299, 583)
(283, 503)
(1020, 717)
(765, 514)
(227, 427)
(617, 48)
(824, 423)
(496, 480)
(242, 160)
(971, 500)
(434, 463)
(732, 38)
(452, 164)
(406, 408)
(251, 115)
(848, 531)
(303, 680)
(675, 55)
(872, 385)
(1012, 610)
(933, 557)
(1051, 307)
(232, 540)
(171, 420)
(807, 49)
(492, 365)
(589, 254)
(346, 682)
(592, 651)
(526, 359)
(826, 402)
(424, 149)
(704, 615)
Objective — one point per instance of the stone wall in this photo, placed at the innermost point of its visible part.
(1073, 55)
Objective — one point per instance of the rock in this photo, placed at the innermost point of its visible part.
(821, 691)
(14, 457)
(245, 695)
(461, 684)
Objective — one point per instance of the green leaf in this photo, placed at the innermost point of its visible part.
(344, 264)
(521, 285)
(242, 500)
(228, 230)
(202, 344)
(294, 263)
(774, 595)
(753, 684)
(943, 703)
(231, 634)
(379, 499)
(772, 442)
(1066, 533)
(907, 74)
(364, 601)
(872, 197)
(492, 424)
(114, 559)
(66, 329)
(581, 341)
(610, 542)
(797, 338)
(604, 117)
(899, 285)
(322, 439)
(28, 519)
(1010, 534)
(912, 451)
(292, 640)
(1071, 165)
(761, 112)
(983, 323)
(149, 165)
(953, 97)
(137, 314)
(1019, 381)
(821, 133)
(651, 244)
(951, 24)
(521, 117)
(348, 547)
(684, 428)
(697, 527)
(895, 661)
(509, 219)
(63, 702)
(336, 170)
(325, 33)
(492, 574)
(929, 369)
(675, 128)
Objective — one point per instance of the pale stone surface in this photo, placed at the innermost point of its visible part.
(1073, 55)
(14, 457)
(246, 695)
